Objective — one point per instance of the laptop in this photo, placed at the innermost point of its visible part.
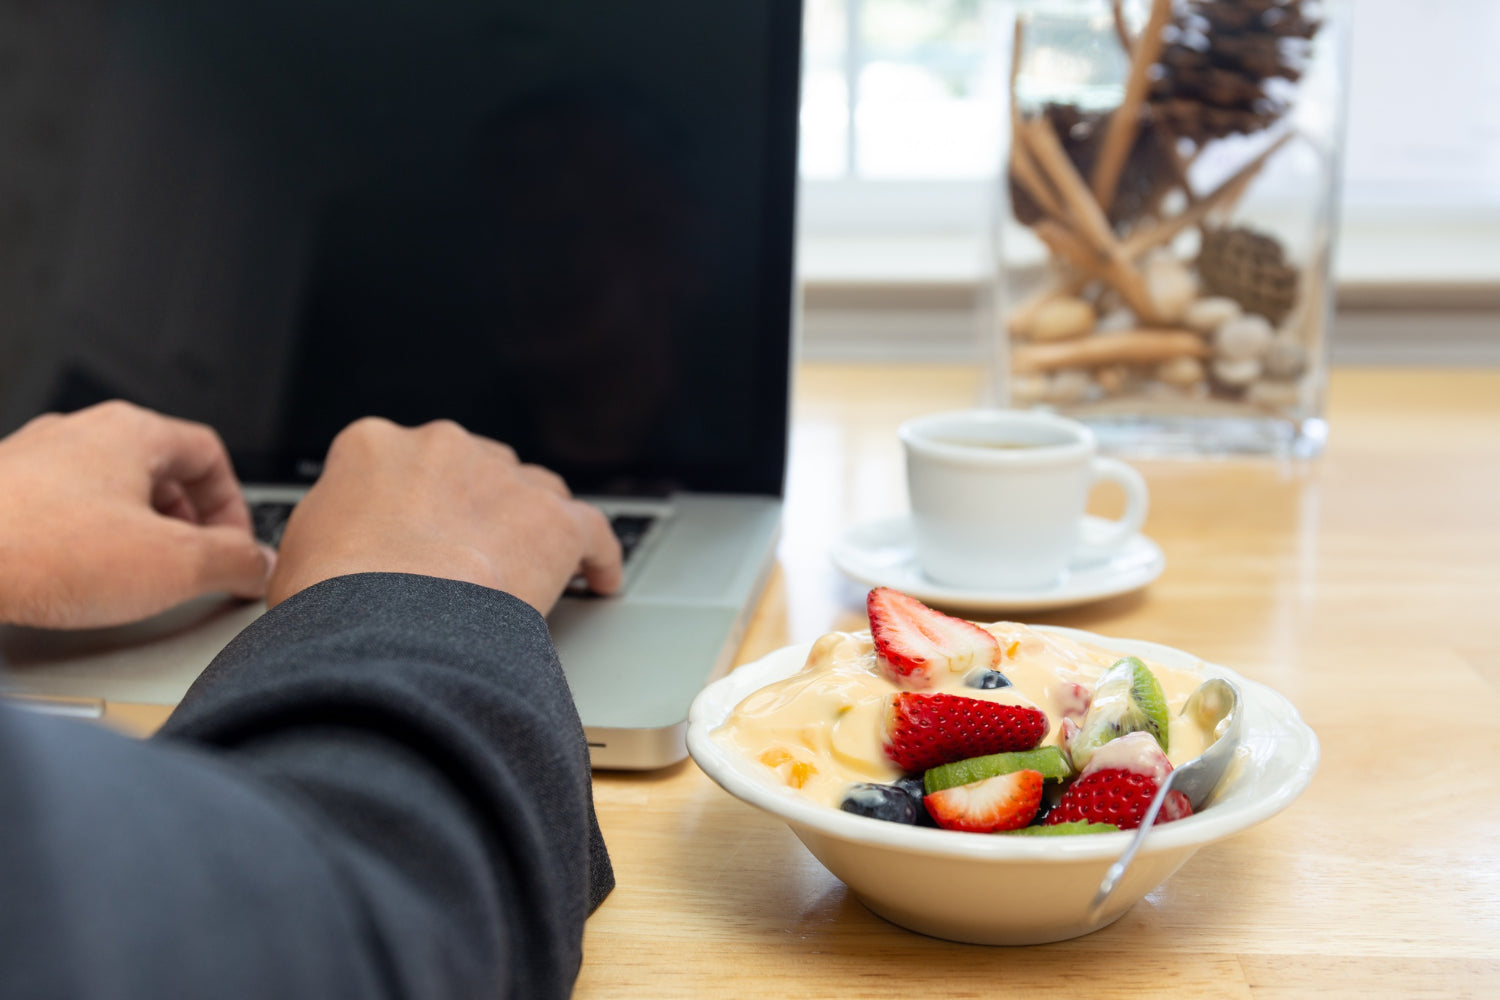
(568, 226)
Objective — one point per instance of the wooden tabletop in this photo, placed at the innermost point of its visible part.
(1365, 586)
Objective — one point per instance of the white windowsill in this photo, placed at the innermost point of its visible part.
(1409, 292)
(1428, 259)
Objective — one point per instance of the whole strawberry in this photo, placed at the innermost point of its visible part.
(1115, 795)
(915, 645)
(925, 730)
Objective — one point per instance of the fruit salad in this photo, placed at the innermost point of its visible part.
(991, 728)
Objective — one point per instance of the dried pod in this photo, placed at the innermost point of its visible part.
(1223, 69)
(1249, 267)
(1148, 174)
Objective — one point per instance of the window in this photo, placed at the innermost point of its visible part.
(903, 101)
(899, 89)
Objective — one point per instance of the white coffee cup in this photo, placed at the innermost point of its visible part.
(998, 497)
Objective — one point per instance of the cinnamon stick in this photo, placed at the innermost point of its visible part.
(1117, 10)
(1024, 169)
(1124, 123)
(1022, 164)
(1126, 347)
(1226, 193)
(1111, 268)
(1078, 202)
(1167, 140)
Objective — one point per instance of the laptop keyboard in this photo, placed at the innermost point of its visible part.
(269, 520)
(630, 529)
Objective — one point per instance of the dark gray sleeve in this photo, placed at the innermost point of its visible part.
(380, 788)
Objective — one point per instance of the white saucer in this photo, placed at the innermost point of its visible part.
(882, 554)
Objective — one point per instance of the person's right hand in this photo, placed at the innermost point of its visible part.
(439, 501)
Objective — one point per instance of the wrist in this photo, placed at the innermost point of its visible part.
(450, 562)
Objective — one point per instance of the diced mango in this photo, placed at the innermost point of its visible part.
(794, 772)
(774, 756)
(800, 773)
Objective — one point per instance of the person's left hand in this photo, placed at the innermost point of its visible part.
(114, 513)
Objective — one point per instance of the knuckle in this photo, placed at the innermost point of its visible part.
(444, 430)
(364, 429)
(505, 453)
(117, 406)
(116, 411)
(548, 479)
(444, 436)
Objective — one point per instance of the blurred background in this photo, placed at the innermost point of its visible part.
(901, 129)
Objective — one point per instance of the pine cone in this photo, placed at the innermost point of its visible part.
(1144, 180)
(1220, 62)
(1249, 267)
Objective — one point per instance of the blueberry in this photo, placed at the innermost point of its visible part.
(912, 785)
(1052, 793)
(987, 680)
(887, 802)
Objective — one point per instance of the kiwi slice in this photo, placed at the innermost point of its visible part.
(1059, 829)
(1048, 760)
(1127, 699)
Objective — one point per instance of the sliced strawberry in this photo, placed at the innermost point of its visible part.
(925, 730)
(915, 644)
(1116, 795)
(1004, 802)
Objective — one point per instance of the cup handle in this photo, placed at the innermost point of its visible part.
(1137, 499)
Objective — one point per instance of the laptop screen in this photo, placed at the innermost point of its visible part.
(567, 225)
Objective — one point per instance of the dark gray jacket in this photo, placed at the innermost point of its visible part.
(380, 788)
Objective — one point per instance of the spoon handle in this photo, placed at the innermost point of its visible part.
(1117, 870)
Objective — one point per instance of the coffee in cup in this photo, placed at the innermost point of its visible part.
(998, 497)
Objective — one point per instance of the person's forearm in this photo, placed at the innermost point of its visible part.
(379, 789)
(422, 730)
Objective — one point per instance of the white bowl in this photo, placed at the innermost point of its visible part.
(994, 889)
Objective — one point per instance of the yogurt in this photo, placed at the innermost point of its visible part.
(823, 728)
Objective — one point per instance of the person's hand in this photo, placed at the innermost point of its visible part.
(439, 501)
(114, 513)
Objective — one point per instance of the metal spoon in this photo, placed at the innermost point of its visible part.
(1215, 706)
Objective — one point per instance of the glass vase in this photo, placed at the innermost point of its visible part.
(1168, 211)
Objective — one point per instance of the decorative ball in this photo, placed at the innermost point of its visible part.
(1181, 372)
(1208, 314)
(1245, 338)
(1237, 372)
(1062, 318)
(1170, 286)
(1286, 358)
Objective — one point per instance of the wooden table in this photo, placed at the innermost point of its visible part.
(1365, 586)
